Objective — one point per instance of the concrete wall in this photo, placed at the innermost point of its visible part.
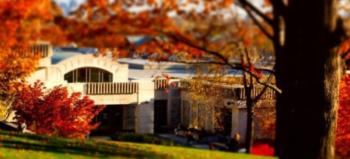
(129, 117)
(173, 107)
(55, 73)
(144, 112)
(114, 99)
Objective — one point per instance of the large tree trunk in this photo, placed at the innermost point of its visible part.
(308, 72)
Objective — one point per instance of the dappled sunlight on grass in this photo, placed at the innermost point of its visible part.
(14, 145)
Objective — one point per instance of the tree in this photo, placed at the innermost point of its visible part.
(251, 101)
(23, 23)
(343, 128)
(305, 39)
(55, 112)
(305, 36)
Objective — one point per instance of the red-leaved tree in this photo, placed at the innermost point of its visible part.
(343, 124)
(55, 112)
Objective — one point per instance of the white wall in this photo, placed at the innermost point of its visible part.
(144, 113)
(55, 73)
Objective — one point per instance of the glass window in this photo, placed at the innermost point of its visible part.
(82, 75)
(107, 77)
(88, 75)
(69, 77)
(94, 75)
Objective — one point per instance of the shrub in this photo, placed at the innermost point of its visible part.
(262, 149)
(55, 112)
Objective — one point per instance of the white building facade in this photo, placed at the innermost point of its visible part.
(130, 102)
(136, 99)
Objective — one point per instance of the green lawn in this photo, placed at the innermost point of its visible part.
(22, 146)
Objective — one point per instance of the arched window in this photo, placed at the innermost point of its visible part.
(88, 74)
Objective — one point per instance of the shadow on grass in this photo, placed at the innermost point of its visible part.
(77, 147)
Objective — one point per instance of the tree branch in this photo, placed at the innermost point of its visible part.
(200, 62)
(256, 21)
(223, 59)
(249, 5)
(262, 91)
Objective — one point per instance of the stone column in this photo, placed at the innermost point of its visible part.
(235, 119)
(144, 112)
(174, 107)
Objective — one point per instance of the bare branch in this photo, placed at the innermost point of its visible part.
(236, 66)
(256, 21)
(200, 62)
(262, 91)
(246, 4)
(224, 60)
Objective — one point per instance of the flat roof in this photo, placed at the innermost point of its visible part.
(145, 64)
(150, 74)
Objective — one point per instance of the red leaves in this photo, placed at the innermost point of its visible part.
(252, 69)
(262, 149)
(55, 113)
(343, 123)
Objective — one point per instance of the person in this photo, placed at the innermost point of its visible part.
(233, 143)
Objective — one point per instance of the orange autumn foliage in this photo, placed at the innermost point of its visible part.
(23, 22)
(16, 62)
(90, 25)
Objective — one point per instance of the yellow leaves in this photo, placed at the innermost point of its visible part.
(15, 66)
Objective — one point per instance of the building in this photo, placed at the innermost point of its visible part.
(138, 95)
(224, 110)
(134, 102)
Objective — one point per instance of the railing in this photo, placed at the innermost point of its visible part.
(42, 49)
(111, 88)
(161, 84)
(268, 94)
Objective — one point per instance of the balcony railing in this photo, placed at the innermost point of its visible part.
(111, 88)
(268, 94)
(161, 84)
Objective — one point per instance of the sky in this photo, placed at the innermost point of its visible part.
(67, 1)
(67, 6)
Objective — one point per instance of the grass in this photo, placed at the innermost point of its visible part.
(23, 146)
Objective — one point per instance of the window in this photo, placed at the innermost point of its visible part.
(88, 74)
(94, 75)
(82, 75)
